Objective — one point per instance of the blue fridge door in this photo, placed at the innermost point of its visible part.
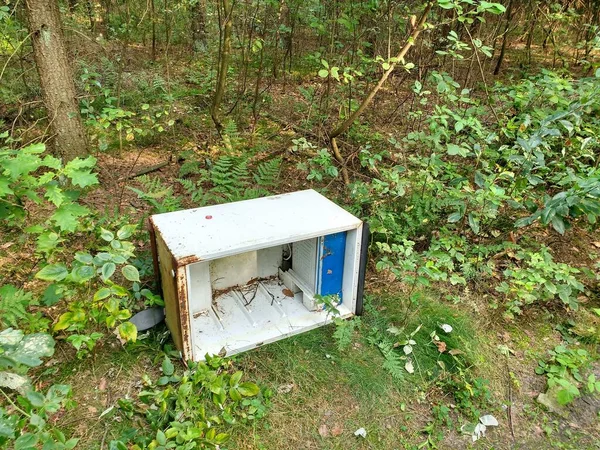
(330, 266)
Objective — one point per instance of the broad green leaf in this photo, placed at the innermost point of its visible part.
(235, 394)
(31, 348)
(108, 269)
(79, 163)
(64, 321)
(5, 187)
(55, 194)
(102, 293)
(35, 398)
(248, 389)
(106, 234)
(235, 378)
(11, 337)
(126, 231)
(455, 217)
(323, 73)
(53, 272)
(83, 273)
(48, 241)
(454, 150)
(130, 273)
(167, 367)
(161, 438)
(474, 223)
(14, 381)
(67, 216)
(128, 332)
(52, 295)
(84, 258)
(558, 224)
(27, 441)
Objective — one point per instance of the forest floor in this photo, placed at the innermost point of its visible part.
(323, 394)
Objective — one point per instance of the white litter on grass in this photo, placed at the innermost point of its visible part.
(361, 432)
(447, 328)
(489, 420)
(480, 429)
(479, 432)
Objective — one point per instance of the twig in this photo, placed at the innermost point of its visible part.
(509, 406)
(146, 171)
(14, 53)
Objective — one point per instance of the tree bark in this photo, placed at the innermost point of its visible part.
(226, 26)
(198, 13)
(504, 38)
(56, 79)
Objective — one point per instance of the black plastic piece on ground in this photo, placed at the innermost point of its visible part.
(148, 318)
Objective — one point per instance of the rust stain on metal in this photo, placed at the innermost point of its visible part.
(190, 259)
(184, 312)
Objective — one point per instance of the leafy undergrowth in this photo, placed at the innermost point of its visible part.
(483, 204)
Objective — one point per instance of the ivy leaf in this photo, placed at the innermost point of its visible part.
(130, 273)
(67, 215)
(53, 272)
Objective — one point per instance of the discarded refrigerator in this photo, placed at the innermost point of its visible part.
(239, 275)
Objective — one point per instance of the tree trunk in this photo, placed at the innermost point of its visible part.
(226, 25)
(504, 38)
(199, 26)
(56, 78)
(153, 17)
(283, 11)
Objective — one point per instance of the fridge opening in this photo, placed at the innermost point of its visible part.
(243, 301)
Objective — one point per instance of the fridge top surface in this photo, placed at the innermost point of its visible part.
(217, 231)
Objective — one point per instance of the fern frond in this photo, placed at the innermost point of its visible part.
(13, 305)
(393, 362)
(157, 195)
(267, 173)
